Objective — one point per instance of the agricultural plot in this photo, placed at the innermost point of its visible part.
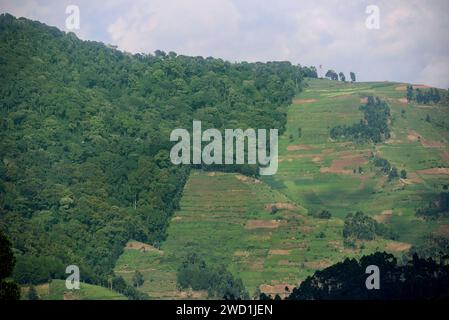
(255, 231)
(338, 176)
(260, 229)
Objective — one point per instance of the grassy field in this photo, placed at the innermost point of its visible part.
(319, 172)
(56, 290)
(226, 218)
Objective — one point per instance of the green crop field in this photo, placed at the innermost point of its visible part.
(56, 290)
(303, 176)
(226, 218)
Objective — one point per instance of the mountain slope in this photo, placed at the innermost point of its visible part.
(84, 140)
(315, 173)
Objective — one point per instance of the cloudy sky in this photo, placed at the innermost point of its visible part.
(411, 44)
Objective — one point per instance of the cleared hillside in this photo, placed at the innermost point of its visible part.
(324, 174)
(227, 218)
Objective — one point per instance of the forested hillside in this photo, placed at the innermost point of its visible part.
(84, 140)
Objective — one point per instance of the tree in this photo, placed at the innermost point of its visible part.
(138, 279)
(342, 76)
(352, 75)
(332, 75)
(374, 127)
(403, 174)
(393, 174)
(32, 293)
(417, 279)
(409, 93)
(98, 141)
(8, 290)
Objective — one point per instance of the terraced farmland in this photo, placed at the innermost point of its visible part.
(324, 174)
(229, 219)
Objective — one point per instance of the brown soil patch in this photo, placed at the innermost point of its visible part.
(291, 157)
(289, 263)
(384, 217)
(299, 147)
(445, 156)
(136, 245)
(279, 289)
(431, 144)
(328, 151)
(317, 159)
(443, 231)
(280, 206)
(364, 100)
(318, 264)
(262, 224)
(69, 296)
(240, 253)
(302, 101)
(190, 294)
(257, 264)
(306, 229)
(413, 178)
(403, 101)
(246, 179)
(340, 165)
(415, 86)
(398, 246)
(413, 136)
(280, 252)
(435, 171)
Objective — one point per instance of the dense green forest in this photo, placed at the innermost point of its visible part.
(84, 140)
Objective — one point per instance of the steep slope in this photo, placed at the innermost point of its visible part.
(340, 176)
(315, 173)
(84, 140)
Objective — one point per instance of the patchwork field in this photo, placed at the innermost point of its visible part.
(323, 174)
(260, 229)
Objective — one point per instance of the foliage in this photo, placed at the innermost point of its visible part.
(436, 208)
(323, 214)
(374, 127)
(419, 278)
(423, 96)
(197, 275)
(362, 227)
(309, 72)
(332, 75)
(84, 140)
(119, 284)
(138, 279)
(8, 289)
(32, 293)
(432, 246)
(352, 75)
